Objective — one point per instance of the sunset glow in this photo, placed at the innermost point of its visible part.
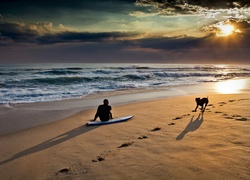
(230, 86)
(225, 30)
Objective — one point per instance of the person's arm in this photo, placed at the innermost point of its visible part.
(96, 116)
(97, 113)
(110, 114)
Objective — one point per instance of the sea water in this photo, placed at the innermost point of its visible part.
(28, 83)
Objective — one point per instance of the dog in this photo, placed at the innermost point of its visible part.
(201, 102)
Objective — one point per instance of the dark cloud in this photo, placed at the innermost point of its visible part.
(126, 52)
(220, 3)
(18, 7)
(16, 32)
(209, 42)
(173, 7)
(43, 33)
(66, 37)
(202, 3)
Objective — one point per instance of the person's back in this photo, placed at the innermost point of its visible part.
(104, 111)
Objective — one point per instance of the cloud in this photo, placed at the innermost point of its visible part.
(208, 8)
(67, 37)
(141, 14)
(22, 32)
(126, 52)
(170, 7)
(43, 33)
(108, 47)
(240, 27)
(203, 3)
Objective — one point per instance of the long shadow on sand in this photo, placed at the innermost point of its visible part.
(193, 125)
(51, 142)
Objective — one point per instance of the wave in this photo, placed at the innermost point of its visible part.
(68, 80)
(102, 71)
(138, 76)
(58, 72)
(75, 68)
(58, 80)
(134, 77)
(9, 73)
(232, 75)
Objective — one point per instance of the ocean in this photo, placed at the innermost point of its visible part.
(29, 83)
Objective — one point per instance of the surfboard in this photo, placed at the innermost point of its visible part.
(116, 120)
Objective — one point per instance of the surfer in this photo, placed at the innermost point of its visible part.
(104, 111)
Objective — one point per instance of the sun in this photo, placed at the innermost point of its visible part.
(225, 29)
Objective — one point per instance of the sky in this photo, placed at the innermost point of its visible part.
(125, 31)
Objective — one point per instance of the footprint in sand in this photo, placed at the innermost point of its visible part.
(99, 158)
(242, 99)
(171, 124)
(180, 117)
(228, 117)
(156, 129)
(237, 142)
(105, 154)
(235, 116)
(143, 137)
(241, 119)
(231, 100)
(126, 144)
(110, 153)
(222, 103)
(64, 170)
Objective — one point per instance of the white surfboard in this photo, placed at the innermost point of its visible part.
(116, 120)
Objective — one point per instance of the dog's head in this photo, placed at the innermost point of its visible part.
(197, 99)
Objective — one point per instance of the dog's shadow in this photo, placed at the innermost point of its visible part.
(193, 125)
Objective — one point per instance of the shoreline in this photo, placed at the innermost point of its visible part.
(48, 112)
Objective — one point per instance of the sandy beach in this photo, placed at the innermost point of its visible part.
(164, 140)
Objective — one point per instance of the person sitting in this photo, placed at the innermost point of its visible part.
(104, 111)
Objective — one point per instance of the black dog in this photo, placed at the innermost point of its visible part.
(201, 102)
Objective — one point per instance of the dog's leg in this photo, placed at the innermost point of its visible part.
(201, 107)
(196, 108)
(204, 107)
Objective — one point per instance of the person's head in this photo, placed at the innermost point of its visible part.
(105, 101)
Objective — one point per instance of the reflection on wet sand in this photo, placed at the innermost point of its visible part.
(231, 86)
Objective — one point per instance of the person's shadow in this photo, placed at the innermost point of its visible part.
(193, 125)
(51, 142)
